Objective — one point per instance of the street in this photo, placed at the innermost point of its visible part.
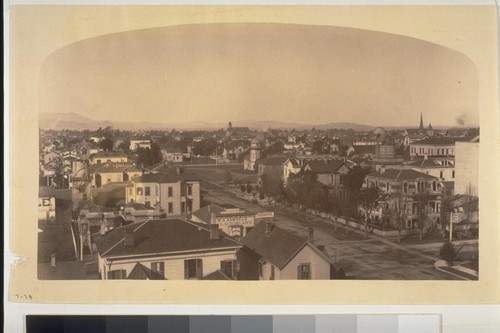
(361, 257)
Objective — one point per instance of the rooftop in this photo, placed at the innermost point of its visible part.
(400, 175)
(163, 236)
(321, 166)
(278, 248)
(445, 141)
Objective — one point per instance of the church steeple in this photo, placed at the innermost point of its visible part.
(421, 121)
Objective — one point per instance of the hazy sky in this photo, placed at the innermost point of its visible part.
(275, 72)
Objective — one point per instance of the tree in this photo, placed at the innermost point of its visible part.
(354, 179)
(249, 188)
(422, 199)
(149, 156)
(368, 199)
(397, 211)
(107, 144)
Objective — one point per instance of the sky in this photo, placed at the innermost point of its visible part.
(259, 71)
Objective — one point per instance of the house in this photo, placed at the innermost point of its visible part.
(272, 253)
(135, 144)
(172, 189)
(47, 203)
(52, 157)
(361, 150)
(232, 220)
(442, 168)
(172, 154)
(291, 166)
(413, 189)
(167, 249)
(114, 173)
(331, 173)
(108, 157)
(272, 167)
(433, 147)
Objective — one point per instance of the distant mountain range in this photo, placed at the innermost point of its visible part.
(76, 121)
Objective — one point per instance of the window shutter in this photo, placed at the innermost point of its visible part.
(186, 269)
(199, 268)
(299, 276)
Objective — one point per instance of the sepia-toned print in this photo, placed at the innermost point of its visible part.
(258, 150)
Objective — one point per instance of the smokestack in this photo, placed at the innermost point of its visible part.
(310, 237)
(214, 231)
(129, 242)
(269, 228)
(53, 260)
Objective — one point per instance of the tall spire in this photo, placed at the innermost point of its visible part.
(421, 121)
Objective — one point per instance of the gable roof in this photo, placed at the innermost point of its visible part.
(205, 212)
(163, 236)
(141, 272)
(279, 248)
(321, 166)
(217, 275)
(400, 174)
(428, 163)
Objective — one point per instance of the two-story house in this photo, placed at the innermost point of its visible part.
(172, 189)
(433, 147)
(108, 157)
(167, 249)
(419, 194)
(331, 173)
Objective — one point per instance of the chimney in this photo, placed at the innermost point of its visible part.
(269, 228)
(214, 231)
(53, 260)
(103, 228)
(129, 239)
(310, 236)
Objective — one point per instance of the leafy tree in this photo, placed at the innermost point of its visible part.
(106, 144)
(249, 188)
(397, 211)
(367, 199)
(354, 179)
(205, 147)
(243, 188)
(149, 156)
(422, 200)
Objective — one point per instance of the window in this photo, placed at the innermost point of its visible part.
(170, 207)
(441, 174)
(453, 174)
(229, 267)
(108, 180)
(260, 269)
(341, 180)
(190, 189)
(434, 186)
(304, 272)
(183, 207)
(193, 269)
(117, 274)
(158, 269)
(272, 272)
(147, 190)
(130, 191)
(46, 202)
(139, 191)
(170, 191)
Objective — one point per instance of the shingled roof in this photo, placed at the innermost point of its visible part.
(444, 141)
(141, 272)
(321, 166)
(401, 174)
(161, 237)
(279, 247)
